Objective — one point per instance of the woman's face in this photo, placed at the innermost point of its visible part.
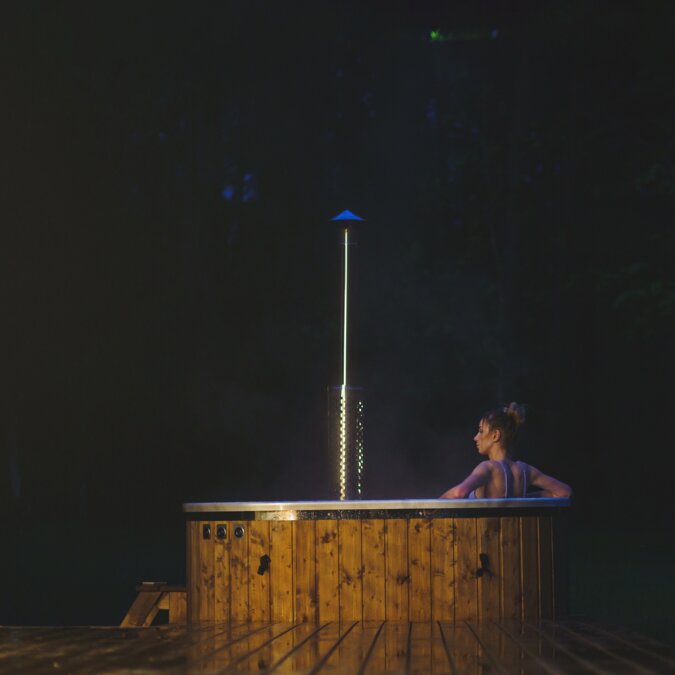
(485, 438)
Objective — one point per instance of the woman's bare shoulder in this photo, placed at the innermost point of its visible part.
(528, 467)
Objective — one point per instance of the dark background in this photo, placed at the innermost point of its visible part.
(171, 285)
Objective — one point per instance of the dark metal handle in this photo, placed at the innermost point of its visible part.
(206, 531)
(264, 564)
(484, 566)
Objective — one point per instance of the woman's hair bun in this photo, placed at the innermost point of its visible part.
(516, 411)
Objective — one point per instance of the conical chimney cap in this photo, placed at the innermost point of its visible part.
(347, 217)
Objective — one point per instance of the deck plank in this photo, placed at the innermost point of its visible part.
(620, 655)
(584, 653)
(246, 651)
(463, 648)
(166, 649)
(395, 638)
(650, 652)
(355, 651)
(359, 648)
(420, 659)
(375, 659)
(273, 654)
(314, 649)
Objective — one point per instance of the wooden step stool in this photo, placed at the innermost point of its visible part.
(153, 596)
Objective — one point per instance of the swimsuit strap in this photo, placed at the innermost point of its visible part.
(506, 479)
(522, 468)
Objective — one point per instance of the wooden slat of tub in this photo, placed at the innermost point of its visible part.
(529, 579)
(327, 562)
(374, 572)
(466, 581)
(510, 571)
(397, 574)
(239, 573)
(443, 569)
(206, 574)
(192, 570)
(305, 570)
(259, 587)
(351, 570)
(488, 582)
(463, 648)
(546, 581)
(419, 551)
(281, 571)
(222, 584)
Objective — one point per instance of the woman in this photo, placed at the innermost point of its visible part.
(499, 476)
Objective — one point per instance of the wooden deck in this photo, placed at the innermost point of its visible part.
(331, 647)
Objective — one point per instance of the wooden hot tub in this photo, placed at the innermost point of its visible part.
(404, 560)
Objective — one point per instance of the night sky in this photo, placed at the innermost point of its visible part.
(171, 283)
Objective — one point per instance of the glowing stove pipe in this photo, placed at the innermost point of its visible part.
(343, 389)
(345, 219)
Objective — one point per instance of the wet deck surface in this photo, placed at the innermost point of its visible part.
(361, 647)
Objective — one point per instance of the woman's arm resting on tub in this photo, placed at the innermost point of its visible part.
(479, 476)
(549, 486)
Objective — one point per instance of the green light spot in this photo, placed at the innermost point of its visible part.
(434, 35)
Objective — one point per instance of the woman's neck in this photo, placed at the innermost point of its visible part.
(497, 453)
